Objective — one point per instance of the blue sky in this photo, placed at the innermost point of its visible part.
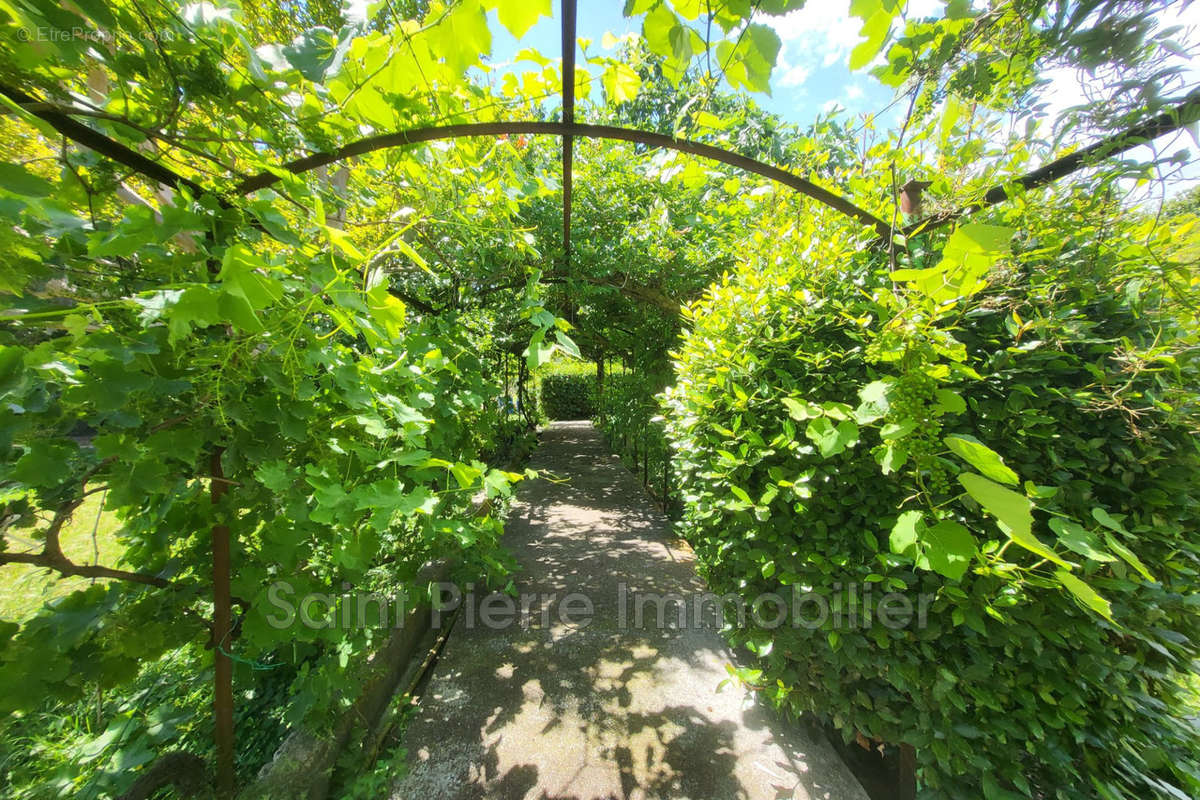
(810, 75)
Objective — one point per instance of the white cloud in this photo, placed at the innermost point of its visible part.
(794, 76)
(822, 34)
(356, 11)
(814, 37)
(918, 9)
(854, 92)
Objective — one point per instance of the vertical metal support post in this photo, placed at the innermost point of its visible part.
(645, 459)
(907, 785)
(222, 625)
(568, 113)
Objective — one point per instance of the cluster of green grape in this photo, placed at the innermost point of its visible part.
(881, 345)
(911, 398)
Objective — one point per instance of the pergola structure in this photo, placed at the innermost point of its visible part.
(62, 120)
(66, 121)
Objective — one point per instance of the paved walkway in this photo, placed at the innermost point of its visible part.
(595, 708)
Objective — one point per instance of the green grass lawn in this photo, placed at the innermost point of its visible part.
(25, 589)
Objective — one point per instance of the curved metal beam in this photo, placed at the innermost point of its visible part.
(1179, 116)
(93, 140)
(513, 128)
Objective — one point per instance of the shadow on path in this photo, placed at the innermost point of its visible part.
(595, 708)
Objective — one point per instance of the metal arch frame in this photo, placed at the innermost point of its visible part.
(414, 136)
(568, 129)
(1173, 119)
(1182, 114)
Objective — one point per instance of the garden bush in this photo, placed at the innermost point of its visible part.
(628, 401)
(632, 422)
(569, 392)
(1006, 426)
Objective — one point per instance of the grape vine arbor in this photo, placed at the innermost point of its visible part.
(66, 121)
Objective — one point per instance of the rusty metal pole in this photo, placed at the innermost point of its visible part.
(222, 625)
(666, 490)
(568, 114)
(907, 785)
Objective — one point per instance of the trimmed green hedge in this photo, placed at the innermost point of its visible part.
(632, 423)
(569, 392)
(1025, 460)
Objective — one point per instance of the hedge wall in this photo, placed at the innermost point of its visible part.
(1017, 447)
(632, 423)
(569, 392)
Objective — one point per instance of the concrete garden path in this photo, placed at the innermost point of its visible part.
(603, 710)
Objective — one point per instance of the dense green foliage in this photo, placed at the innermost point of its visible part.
(1021, 450)
(568, 392)
(338, 456)
(632, 422)
(335, 371)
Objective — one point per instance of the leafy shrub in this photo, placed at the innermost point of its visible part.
(632, 423)
(1023, 457)
(90, 749)
(628, 401)
(569, 392)
(350, 460)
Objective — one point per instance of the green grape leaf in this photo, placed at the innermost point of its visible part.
(877, 16)
(801, 410)
(892, 457)
(873, 402)
(243, 275)
(1078, 539)
(982, 458)
(897, 430)
(16, 179)
(966, 259)
(946, 547)
(196, 306)
(1013, 511)
(518, 16)
(1085, 594)
(45, 465)
(539, 350)
(949, 402)
(949, 548)
(387, 310)
(312, 52)
(621, 82)
(830, 440)
(239, 311)
(905, 534)
(749, 62)
(567, 345)
(462, 37)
